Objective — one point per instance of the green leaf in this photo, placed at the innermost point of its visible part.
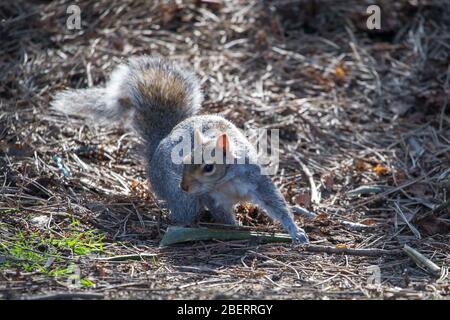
(181, 234)
(86, 282)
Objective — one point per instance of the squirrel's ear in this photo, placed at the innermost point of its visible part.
(198, 136)
(223, 143)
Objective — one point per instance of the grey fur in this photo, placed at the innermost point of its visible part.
(160, 124)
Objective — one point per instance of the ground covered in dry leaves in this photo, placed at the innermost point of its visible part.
(365, 143)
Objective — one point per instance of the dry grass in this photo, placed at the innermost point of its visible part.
(354, 107)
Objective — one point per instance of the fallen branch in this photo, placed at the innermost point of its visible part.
(422, 261)
(68, 296)
(351, 251)
(181, 234)
(127, 257)
(4, 258)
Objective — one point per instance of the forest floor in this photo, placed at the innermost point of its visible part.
(364, 136)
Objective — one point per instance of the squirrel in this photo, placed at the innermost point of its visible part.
(161, 100)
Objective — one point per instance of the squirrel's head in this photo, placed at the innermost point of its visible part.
(207, 164)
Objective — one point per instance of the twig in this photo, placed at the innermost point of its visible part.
(350, 251)
(410, 226)
(422, 261)
(303, 212)
(355, 225)
(68, 296)
(367, 190)
(315, 196)
(126, 257)
(4, 258)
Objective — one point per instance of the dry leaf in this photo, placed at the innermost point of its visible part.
(321, 216)
(214, 5)
(341, 246)
(261, 41)
(361, 165)
(102, 272)
(367, 221)
(328, 181)
(135, 184)
(168, 12)
(303, 199)
(325, 231)
(339, 72)
(259, 273)
(418, 189)
(434, 225)
(380, 169)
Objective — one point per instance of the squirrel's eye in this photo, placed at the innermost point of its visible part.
(208, 168)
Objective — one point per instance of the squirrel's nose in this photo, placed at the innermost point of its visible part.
(184, 186)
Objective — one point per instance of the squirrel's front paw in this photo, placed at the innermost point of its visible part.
(300, 237)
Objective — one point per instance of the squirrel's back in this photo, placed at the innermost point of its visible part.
(153, 94)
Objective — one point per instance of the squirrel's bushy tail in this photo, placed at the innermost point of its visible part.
(151, 93)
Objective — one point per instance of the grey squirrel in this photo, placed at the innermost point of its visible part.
(160, 100)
